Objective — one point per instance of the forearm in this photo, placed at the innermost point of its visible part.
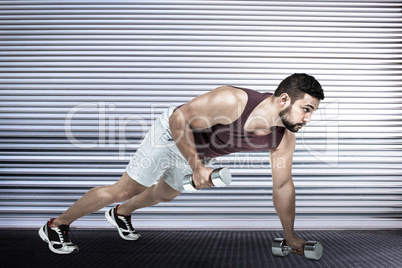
(184, 139)
(284, 203)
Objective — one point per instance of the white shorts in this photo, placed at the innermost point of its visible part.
(158, 156)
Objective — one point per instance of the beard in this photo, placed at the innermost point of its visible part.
(284, 115)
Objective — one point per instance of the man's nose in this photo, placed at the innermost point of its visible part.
(307, 119)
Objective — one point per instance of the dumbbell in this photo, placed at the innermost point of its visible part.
(219, 177)
(312, 250)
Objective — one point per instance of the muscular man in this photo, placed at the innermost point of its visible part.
(185, 139)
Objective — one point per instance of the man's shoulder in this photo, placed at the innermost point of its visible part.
(230, 94)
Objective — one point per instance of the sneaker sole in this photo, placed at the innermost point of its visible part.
(44, 238)
(112, 222)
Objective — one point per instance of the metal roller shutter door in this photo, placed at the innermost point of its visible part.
(81, 82)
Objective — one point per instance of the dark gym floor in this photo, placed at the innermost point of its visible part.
(206, 249)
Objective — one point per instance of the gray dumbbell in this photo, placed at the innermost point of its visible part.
(312, 250)
(220, 177)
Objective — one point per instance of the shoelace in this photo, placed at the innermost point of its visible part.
(127, 222)
(62, 231)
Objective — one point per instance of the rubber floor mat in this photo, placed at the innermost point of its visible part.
(204, 249)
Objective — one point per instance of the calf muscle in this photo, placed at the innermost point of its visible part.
(100, 197)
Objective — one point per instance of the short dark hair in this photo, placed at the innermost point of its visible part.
(297, 85)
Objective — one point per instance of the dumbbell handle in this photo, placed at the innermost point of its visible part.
(285, 247)
(220, 177)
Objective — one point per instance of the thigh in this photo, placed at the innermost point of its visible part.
(129, 186)
(163, 191)
(148, 163)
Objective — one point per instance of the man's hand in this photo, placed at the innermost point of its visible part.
(201, 177)
(297, 245)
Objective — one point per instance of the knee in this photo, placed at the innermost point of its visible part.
(120, 194)
(165, 199)
(161, 197)
(164, 193)
(123, 195)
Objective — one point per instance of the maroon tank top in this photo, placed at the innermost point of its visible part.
(224, 139)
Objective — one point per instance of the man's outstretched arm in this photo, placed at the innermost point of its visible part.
(283, 189)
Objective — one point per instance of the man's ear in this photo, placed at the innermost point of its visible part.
(284, 100)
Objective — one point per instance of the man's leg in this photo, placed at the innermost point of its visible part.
(55, 231)
(120, 216)
(100, 197)
(161, 192)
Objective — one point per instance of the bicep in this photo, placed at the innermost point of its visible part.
(281, 160)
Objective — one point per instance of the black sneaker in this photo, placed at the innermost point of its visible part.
(123, 224)
(57, 238)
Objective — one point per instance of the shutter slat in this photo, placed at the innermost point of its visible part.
(101, 64)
